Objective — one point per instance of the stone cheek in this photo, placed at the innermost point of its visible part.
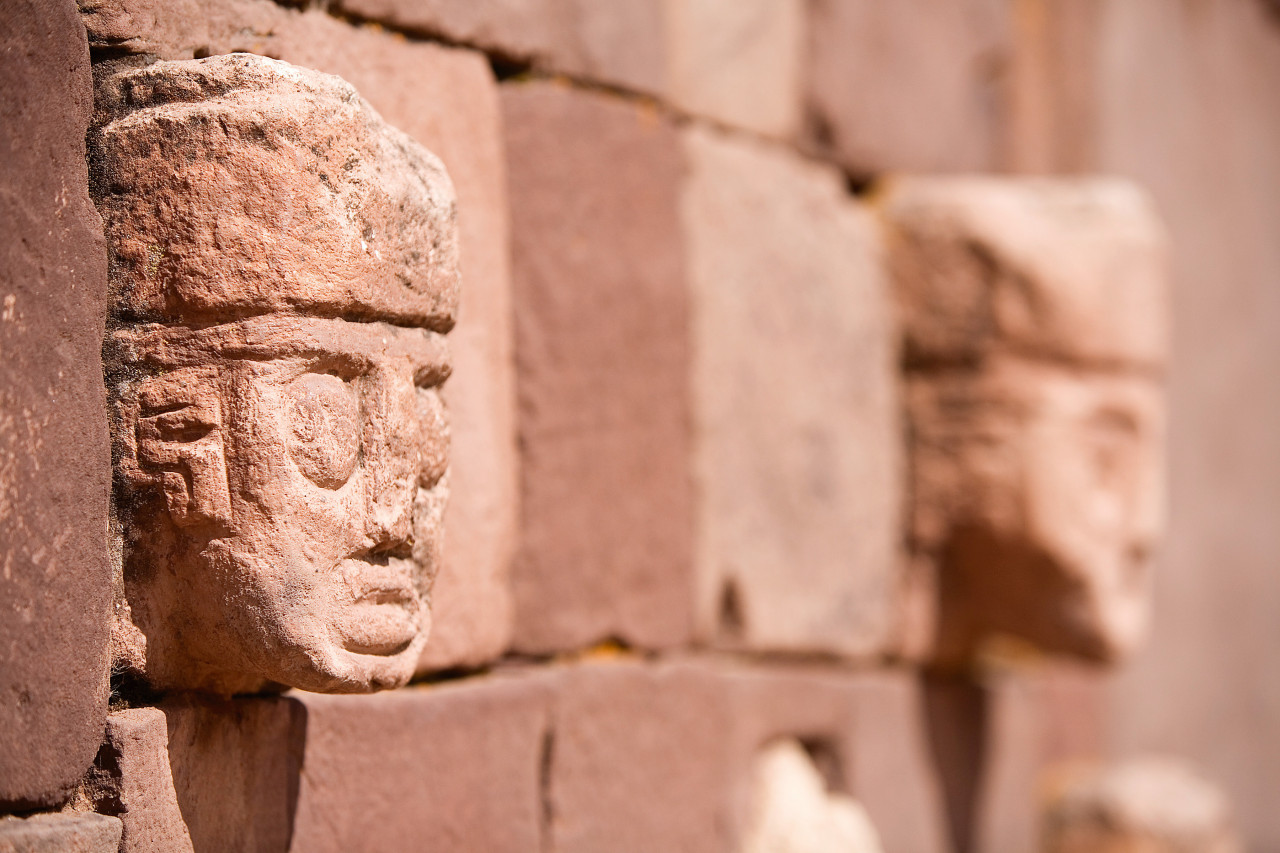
(281, 443)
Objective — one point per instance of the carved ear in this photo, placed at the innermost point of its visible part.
(175, 429)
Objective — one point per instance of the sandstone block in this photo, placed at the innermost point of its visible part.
(55, 571)
(682, 738)
(906, 86)
(1156, 804)
(796, 414)
(602, 370)
(737, 62)
(458, 765)
(619, 42)
(894, 772)
(445, 99)
(66, 832)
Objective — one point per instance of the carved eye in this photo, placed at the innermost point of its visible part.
(324, 426)
(434, 446)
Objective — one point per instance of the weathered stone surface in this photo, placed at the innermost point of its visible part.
(796, 414)
(55, 574)
(910, 85)
(1073, 269)
(458, 764)
(793, 812)
(1153, 804)
(619, 42)
(446, 99)
(282, 476)
(456, 767)
(681, 738)
(67, 832)
(737, 62)
(893, 771)
(1034, 327)
(603, 362)
(202, 775)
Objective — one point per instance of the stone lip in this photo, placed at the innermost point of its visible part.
(238, 185)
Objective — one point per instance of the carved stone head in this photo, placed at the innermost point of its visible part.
(1034, 339)
(283, 270)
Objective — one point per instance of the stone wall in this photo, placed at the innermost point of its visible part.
(694, 384)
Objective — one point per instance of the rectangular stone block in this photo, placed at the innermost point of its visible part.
(913, 85)
(66, 832)
(55, 465)
(454, 767)
(738, 62)
(659, 757)
(894, 773)
(797, 442)
(602, 370)
(618, 42)
(447, 100)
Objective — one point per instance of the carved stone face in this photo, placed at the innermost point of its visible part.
(1042, 487)
(284, 272)
(299, 525)
(1034, 331)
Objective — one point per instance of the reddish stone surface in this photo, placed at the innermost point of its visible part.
(619, 42)
(894, 775)
(910, 85)
(60, 833)
(796, 411)
(55, 572)
(737, 62)
(459, 765)
(446, 99)
(602, 361)
(681, 738)
(456, 767)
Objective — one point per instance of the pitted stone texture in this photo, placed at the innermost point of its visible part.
(1158, 805)
(680, 738)
(55, 481)
(737, 62)
(67, 832)
(619, 42)
(793, 812)
(1073, 269)
(914, 85)
(322, 207)
(447, 100)
(603, 361)
(459, 765)
(282, 472)
(797, 437)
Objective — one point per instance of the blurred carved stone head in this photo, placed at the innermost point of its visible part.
(283, 272)
(1035, 336)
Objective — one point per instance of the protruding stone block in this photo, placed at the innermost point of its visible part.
(285, 267)
(603, 372)
(55, 464)
(67, 832)
(1034, 323)
(912, 85)
(797, 442)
